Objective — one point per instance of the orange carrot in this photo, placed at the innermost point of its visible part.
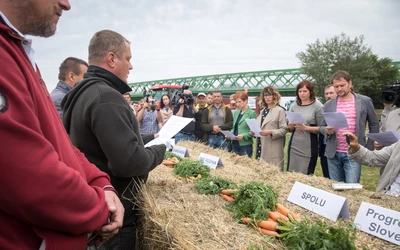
(270, 219)
(295, 216)
(229, 192)
(268, 232)
(269, 225)
(226, 197)
(276, 215)
(245, 220)
(281, 209)
(281, 216)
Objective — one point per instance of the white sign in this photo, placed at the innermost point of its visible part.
(180, 151)
(378, 221)
(251, 101)
(210, 160)
(329, 205)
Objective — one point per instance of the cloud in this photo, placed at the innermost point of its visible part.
(178, 38)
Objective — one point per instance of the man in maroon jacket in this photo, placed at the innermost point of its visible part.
(51, 196)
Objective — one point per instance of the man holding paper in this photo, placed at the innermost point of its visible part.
(358, 110)
(387, 158)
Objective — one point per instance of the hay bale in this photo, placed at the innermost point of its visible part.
(175, 216)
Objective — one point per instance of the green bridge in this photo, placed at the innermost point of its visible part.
(284, 79)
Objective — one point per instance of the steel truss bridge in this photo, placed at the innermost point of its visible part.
(285, 80)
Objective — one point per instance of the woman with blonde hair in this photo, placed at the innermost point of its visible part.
(272, 120)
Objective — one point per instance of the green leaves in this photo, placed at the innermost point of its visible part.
(187, 168)
(213, 185)
(252, 200)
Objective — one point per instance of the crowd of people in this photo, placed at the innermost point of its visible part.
(77, 179)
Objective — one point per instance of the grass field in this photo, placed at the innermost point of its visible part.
(369, 176)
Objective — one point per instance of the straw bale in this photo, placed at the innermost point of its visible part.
(175, 216)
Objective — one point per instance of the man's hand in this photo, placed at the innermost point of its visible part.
(116, 210)
(329, 130)
(354, 146)
(291, 126)
(216, 129)
(377, 146)
(301, 127)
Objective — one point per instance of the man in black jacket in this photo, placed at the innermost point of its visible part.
(101, 124)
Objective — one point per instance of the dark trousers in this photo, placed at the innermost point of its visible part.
(322, 157)
(125, 239)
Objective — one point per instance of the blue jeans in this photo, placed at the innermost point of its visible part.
(242, 150)
(184, 137)
(217, 141)
(343, 168)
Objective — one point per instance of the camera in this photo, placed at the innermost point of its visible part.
(146, 95)
(180, 94)
(391, 95)
(187, 99)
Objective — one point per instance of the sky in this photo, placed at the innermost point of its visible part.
(182, 38)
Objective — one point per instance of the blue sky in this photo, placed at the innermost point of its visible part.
(178, 38)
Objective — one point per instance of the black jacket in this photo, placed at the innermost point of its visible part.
(100, 123)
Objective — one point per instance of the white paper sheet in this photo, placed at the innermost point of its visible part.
(295, 117)
(253, 125)
(335, 119)
(385, 138)
(170, 128)
(229, 134)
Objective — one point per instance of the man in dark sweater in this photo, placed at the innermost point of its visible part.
(101, 124)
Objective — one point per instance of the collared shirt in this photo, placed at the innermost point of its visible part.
(149, 124)
(58, 94)
(26, 43)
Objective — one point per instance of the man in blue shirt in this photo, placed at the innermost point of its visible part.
(70, 72)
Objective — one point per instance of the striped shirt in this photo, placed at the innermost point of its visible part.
(348, 107)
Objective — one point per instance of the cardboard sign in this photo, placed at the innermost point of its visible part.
(210, 160)
(180, 151)
(329, 205)
(378, 221)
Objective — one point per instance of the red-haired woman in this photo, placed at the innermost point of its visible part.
(303, 144)
(243, 143)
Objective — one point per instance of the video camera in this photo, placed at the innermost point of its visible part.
(187, 98)
(391, 95)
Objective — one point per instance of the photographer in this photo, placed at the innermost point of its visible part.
(390, 117)
(149, 117)
(185, 108)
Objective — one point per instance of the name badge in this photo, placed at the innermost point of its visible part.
(210, 160)
(378, 221)
(329, 205)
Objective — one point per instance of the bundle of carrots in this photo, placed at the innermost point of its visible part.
(228, 194)
(188, 179)
(271, 226)
(170, 162)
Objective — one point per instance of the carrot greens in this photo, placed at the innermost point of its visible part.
(213, 185)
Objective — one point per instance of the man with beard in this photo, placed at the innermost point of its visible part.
(101, 124)
(52, 197)
(358, 110)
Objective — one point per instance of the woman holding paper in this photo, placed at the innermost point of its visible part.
(303, 144)
(272, 121)
(243, 142)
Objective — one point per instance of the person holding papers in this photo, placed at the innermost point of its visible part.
(243, 142)
(387, 158)
(272, 120)
(101, 124)
(358, 110)
(303, 144)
